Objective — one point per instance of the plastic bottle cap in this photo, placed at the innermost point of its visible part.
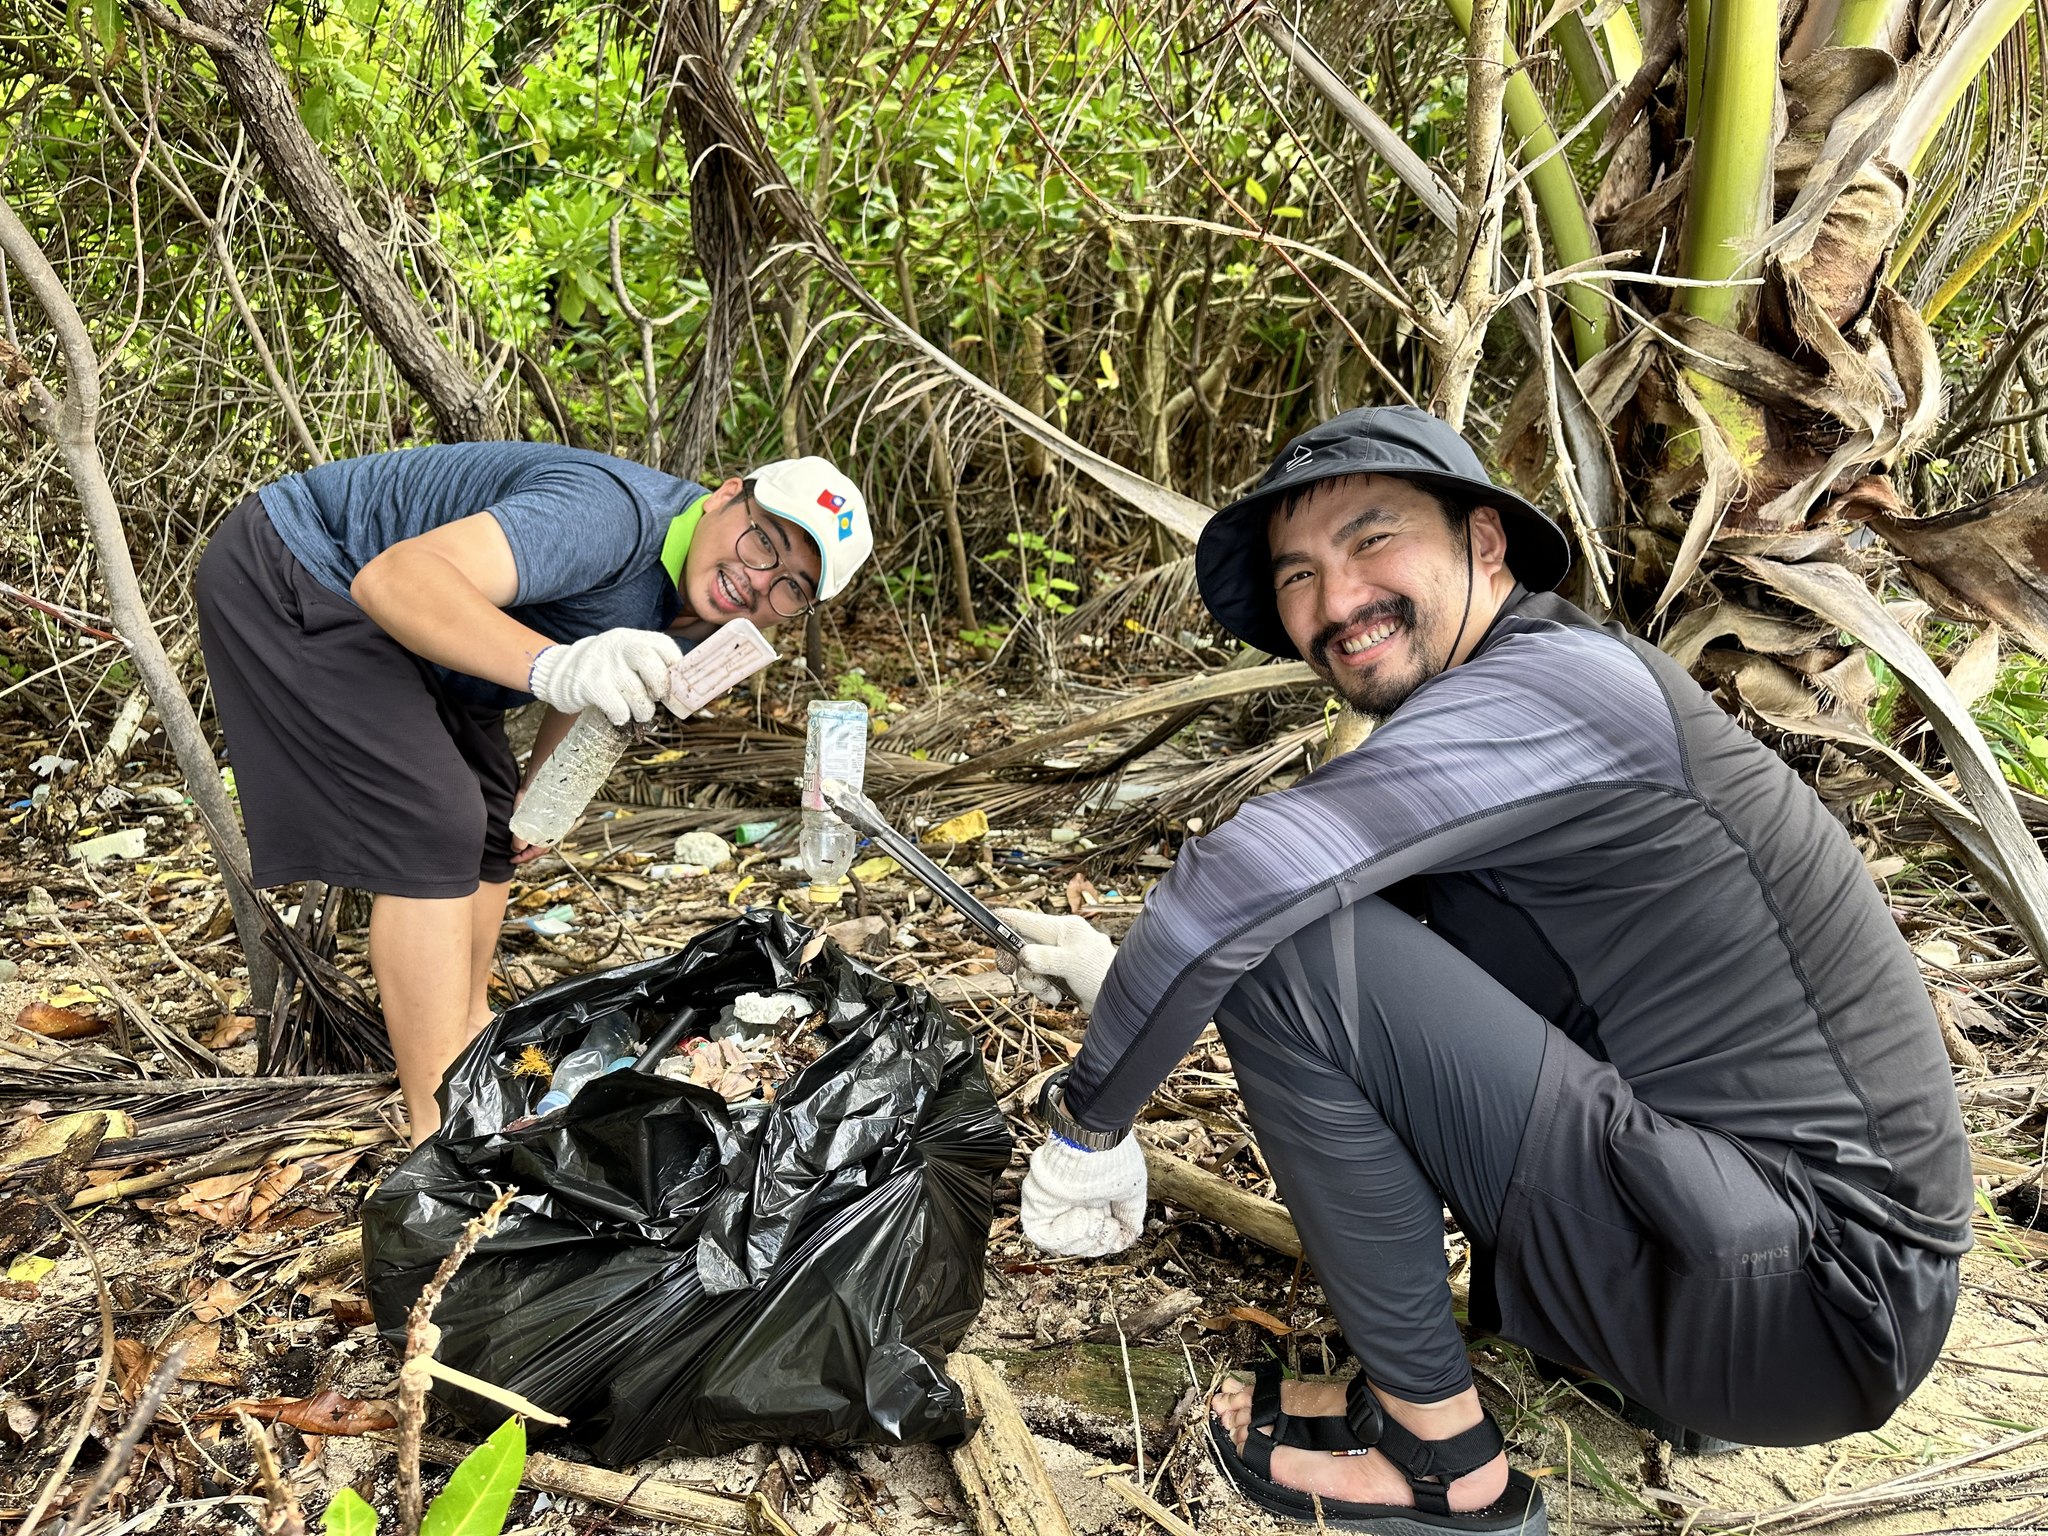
(825, 894)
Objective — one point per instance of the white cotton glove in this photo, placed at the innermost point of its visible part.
(1069, 948)
(1084, 1204)
(623, 672)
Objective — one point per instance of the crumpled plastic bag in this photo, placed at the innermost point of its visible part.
(680, 1274)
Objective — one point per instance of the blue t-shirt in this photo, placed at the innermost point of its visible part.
(586, 529)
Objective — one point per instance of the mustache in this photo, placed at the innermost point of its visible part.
(1400, 609)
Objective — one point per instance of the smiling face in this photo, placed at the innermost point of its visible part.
(1371, 580)
(719, 585)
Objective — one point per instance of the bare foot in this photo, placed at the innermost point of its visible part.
(1371, 1478)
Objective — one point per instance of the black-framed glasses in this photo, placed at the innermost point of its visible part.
(757, 552)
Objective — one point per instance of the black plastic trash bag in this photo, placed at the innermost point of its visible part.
(683, 1274)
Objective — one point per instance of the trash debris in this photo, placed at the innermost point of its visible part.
(690, 1270)
(1940, 952)
(551, 924)
(608, 1048)
(748, 833)
(706, 849)
(967, 827)
(128, 843)
(769, 1008)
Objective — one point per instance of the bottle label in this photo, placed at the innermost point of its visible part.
(835, 747)
(735, 652)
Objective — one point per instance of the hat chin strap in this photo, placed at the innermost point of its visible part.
(1465, 617)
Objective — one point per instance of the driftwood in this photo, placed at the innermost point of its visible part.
(1148, 1506)
(619, 1491)
(1181, 1183)
(1008, 1490)
(1146, 1320)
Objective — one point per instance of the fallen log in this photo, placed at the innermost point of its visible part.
(1009, 1492)
(1181, 1183)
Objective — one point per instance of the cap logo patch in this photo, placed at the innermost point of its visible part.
(1299, 457)
(831, 501)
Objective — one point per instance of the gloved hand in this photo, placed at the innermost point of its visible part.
(1084, 1204)
(1067, 947)
(623, 672)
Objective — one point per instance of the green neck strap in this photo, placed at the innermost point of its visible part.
(675, 548)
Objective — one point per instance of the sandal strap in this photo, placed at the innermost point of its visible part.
(1430, 1466)
(1266, 1410)
(1439, 1463)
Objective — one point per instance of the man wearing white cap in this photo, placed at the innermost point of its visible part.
(367, 623)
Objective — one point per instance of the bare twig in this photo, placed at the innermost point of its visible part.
(415, 1380)
(116, 1462)
(282, 1515)
(90, 1407)
(77, 618)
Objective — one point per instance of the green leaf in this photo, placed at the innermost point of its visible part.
(348, 1515)
(481, 1489)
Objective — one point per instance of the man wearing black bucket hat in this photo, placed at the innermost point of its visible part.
(1561, 946)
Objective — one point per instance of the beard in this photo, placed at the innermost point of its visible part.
(1382, 691)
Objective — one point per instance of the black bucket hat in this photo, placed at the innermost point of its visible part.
(1231, 563)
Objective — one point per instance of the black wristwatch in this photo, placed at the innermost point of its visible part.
(1052, 1109)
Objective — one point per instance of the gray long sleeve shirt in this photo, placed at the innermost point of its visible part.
(1580, 819)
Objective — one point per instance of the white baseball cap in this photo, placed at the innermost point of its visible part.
(815, 496)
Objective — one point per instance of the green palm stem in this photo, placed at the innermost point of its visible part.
(1557, 196)
(1586, 65)
(1624, 47)
(1697, 19)
(1979, 258)
(1728, 204)
(1866, 23)
(1937, 92)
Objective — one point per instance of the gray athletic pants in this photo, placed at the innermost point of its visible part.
(1387, 1074)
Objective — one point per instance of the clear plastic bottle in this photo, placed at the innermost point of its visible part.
(607, 1048)
(572, 774)
(577, 769)
(835, 747)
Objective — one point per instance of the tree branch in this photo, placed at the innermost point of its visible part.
(72, 423)
(162, 16)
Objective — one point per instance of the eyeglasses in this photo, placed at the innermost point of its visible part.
(757, 552)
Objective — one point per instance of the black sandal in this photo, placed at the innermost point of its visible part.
(1430, 1466)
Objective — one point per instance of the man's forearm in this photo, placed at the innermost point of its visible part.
(432, 609)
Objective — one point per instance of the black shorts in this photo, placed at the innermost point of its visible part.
(352, 762)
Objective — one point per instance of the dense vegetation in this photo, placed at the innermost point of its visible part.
(1143, 224)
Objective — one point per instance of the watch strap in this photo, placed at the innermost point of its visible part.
(1052, 1110)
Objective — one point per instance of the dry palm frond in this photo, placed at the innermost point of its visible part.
(179, 1119)
(321, 1017)
(1211, 792)
(1154, 600)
